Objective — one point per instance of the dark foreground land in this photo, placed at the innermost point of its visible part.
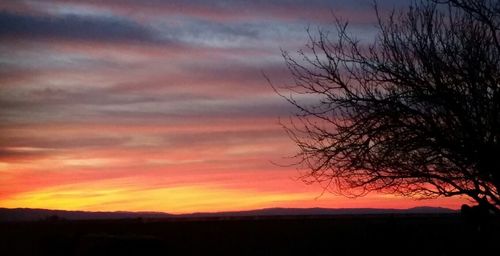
(445, 234)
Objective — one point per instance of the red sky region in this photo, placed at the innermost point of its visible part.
(158, 106)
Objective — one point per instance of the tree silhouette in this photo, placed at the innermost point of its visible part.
(415, 113)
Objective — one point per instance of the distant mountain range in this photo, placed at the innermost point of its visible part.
(26, 214)
(324, 211)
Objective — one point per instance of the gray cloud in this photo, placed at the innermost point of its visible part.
(318, 10)
(73, 27)
(58, 143)
(226, 138)
(197, 110)
(23, 155)
(192, 30)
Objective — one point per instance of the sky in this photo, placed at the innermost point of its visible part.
(159, 105)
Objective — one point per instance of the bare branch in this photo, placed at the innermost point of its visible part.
(416, 113)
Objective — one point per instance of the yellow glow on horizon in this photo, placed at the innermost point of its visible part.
(179, 199)
(4, 166)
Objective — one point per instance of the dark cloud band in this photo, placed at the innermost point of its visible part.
(72, 27)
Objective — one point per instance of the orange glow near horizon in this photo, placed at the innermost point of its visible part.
(174, 192)
(195, 198)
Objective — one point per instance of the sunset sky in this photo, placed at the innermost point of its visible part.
(159, 105)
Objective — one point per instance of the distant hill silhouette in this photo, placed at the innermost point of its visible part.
(27, 214)
(324, 211)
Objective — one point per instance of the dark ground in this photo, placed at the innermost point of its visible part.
(299, 235)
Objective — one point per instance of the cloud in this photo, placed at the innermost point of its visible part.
(112, 29)
(14, 143)
(237, 108)
(223, 10)
(23, 153)
(73, 27)
(224, 138)
(206, 33)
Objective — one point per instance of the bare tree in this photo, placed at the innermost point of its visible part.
(415, 113)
